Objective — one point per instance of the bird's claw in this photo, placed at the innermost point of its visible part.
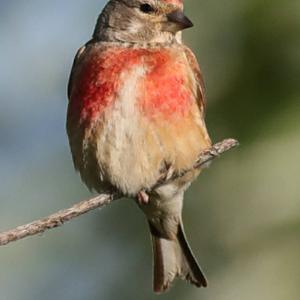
(142, 198)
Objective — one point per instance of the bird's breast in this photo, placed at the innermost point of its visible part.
(135, 110)
(157, 79)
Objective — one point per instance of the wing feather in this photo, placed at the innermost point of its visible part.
(201, 99)
(76, 59)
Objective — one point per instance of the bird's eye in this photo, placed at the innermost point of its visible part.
(146, 8)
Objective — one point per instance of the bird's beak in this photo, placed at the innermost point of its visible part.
(179, 20)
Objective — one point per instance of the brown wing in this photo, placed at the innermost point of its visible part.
(200, 82)
(76, 59)
(201, 99)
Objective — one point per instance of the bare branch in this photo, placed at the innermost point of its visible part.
(59, 218)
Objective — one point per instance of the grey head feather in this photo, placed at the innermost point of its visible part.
(125, 21)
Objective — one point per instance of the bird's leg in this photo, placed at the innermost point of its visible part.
(142, 198)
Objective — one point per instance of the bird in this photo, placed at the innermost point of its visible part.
(137, 110)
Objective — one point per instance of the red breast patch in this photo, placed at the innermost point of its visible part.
(160, 91)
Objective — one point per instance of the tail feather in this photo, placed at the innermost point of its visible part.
(174, 258)
(195, 274)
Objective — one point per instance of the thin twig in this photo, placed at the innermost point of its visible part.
(63, 216)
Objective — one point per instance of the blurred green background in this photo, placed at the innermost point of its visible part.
(242, 215)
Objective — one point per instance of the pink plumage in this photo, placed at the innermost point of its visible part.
(163, 90)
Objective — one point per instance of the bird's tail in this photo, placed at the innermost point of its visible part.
(173, 258)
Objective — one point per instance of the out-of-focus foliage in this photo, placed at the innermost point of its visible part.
(242, 215)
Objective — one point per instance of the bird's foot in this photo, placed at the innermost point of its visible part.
(142, 198)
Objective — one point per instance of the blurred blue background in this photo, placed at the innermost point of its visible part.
(242, 215)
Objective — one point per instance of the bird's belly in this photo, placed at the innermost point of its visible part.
(127, 149)
(132, 149)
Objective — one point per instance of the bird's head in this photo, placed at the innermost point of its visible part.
(141, 21)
